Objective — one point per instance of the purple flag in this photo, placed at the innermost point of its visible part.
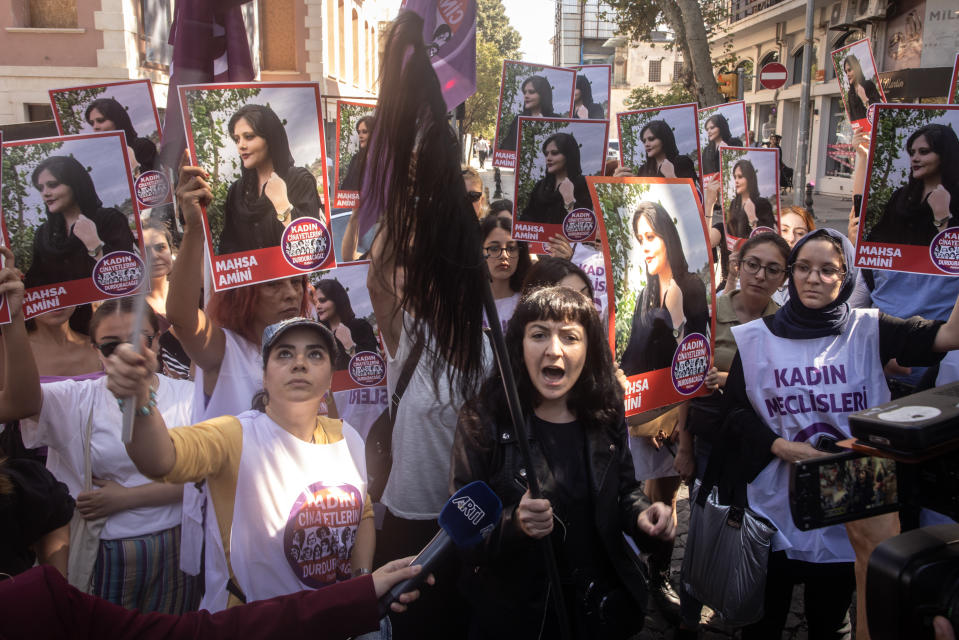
(449, 31)
(209, 45)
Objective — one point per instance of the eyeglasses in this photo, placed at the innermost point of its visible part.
(752, 267)
(827, 273)
(495, 251)
(474, 196)
(107, 348)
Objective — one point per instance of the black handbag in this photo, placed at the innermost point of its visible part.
(379, 439)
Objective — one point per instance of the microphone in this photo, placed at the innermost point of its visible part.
(465, 521)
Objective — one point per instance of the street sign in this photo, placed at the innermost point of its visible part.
(773, 75)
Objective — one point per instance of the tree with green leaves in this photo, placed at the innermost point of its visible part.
(646, 98)
(692, 22)
(496, 40)
(22, 219)
(71, 105)
(209, 112)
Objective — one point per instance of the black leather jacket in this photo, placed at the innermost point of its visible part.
(507, 583)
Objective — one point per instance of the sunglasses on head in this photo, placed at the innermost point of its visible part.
(107, 348)
(474, 196)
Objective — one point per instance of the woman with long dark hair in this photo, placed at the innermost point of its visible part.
(673, 302)
(568, 391)
(106, 114)
(717, 135)
(663, 159)
(583, 105)
(352, 334)
(78, 230)
(425, 281)
(929, 201)
(271, 192)
(364, 128)
(507, 260)
(537, 101)
(748, 209)
(860, 93)
(563, 188)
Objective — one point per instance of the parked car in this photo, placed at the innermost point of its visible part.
(612, 150)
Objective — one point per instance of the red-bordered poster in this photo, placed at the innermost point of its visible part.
(719, 126)
(354, 125)
(70, 219)
(954, 85)
(659, 270)
(551, 197)
(910, 219)
(262, 144)
(591, 95)
(127, 106)
(749, 192)
(529, 89)
(662, 142)
(343, 304)
(4, 308)
(859, 83)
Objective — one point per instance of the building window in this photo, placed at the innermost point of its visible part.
(39, 112)
(53, 14)
(795, 76)
(678, 70)
(154, 22)
(655, 70)
(277, 23)
(772, 56)
(839, 150)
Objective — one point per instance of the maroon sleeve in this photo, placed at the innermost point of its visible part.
(40, 604)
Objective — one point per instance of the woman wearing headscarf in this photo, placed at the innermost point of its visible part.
(563, 188)
(78, 230)
(860, 93)
(663, 159)
(810, 365)
(748, 209)
(583, 105)
(717, 135)
(364, 129)
(106, 114)
(537, 101)
(271, 192)
(353, 335)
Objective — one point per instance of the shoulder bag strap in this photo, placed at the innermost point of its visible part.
(405, 376)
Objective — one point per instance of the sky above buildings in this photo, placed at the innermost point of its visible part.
(535, 21)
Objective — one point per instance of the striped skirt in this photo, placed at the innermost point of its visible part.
(144, 573)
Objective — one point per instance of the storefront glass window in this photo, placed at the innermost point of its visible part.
(839, 149)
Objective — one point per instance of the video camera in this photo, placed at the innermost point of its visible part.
(906, 453)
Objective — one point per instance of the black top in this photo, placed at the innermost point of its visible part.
(38, 505)
(594, 112)
(652, 342)
(508, 142)
(682, 165)
(146, 154)
(711, 155)
(351, 181)
(907, 340)
(61, 257)
(858, 110)
(253, 225)
(909, 220)
(546, 205)
(737, 222)
(365, 340)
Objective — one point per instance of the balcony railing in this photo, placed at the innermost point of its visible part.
(740, 9)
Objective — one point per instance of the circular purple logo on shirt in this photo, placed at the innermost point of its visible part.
(320, 532)
(306, 244)
(367, 368)
(579, 224)
(118, 274)
(151, 188)
(944, 250)
(690, 363)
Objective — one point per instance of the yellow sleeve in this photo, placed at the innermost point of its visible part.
(367, 508)
(205, 449)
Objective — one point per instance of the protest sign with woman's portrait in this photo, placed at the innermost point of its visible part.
(661, 142)
(859, 83)
(70, 219)
(555, 156)
(659, 270)
(354, 127)
(720, 126)
(529, 90)
(591, 96)
(750, 191)
(910, 219)
(262, 146)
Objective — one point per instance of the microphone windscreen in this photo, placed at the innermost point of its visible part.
(471, 514)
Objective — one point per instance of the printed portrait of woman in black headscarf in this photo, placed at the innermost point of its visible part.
(583, 105)
(106, 114)
(748, 209)
(717, 135)
(563, 188)
(364, 129)
(271, 191)
(537, 101)
(78, 229)
(663, 159)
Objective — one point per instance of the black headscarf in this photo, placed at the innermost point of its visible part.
(797, 321)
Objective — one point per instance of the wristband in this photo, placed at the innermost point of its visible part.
(145, 409)
(282, 215)
(361, 572)
(94, 251)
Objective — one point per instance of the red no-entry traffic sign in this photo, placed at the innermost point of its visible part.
(773, 75)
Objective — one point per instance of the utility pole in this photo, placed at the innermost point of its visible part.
(802, 150)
